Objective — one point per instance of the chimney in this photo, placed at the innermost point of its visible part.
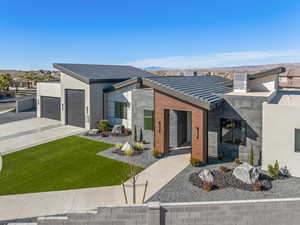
(240, 82)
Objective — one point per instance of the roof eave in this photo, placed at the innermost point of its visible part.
(177, 95)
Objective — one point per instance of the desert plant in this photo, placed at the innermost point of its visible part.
(141, 135)
(119, 146)
(237, 160)
(251, 157)
(156, 153)
(274, 171)
(208, 186)
(194, 162)
(139, 146)
(257, 186)
(134, 134)
(103, 125)
(224, 169)
(129, 152)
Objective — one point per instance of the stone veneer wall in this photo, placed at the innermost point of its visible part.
(248, 108)
(251, 212)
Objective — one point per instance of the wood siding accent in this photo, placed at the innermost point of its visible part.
(163, 103)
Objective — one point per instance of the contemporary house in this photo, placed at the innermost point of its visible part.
(211, 115)
(290, 79)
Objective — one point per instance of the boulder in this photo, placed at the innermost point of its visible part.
(93, 132)
(206, 176)
(284, 172)
(246, 173)
(127, 146)
(118, 129)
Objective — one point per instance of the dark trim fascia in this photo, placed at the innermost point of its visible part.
(84, 79)
(123, 84)
(270, 72)
(177, 95)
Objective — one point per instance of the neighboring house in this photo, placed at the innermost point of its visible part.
(212, 115)
(290, 79)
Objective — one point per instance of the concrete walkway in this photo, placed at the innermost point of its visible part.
(50, 203)
(23, 134)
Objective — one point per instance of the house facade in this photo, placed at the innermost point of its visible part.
(211, 115)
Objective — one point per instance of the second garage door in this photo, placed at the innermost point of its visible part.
(50, 107)
(75, 105)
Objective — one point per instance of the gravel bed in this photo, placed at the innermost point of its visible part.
(144, 159)
(181, 190)
(226, 180)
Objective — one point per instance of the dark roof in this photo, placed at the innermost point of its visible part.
(90, 73)
(265, 73)
(203, 91)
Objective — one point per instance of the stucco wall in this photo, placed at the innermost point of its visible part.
(279, 123)
(93, 99)
(46, 89)
(142, 99)
(268, 83)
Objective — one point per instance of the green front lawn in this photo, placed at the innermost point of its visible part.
(67, 163)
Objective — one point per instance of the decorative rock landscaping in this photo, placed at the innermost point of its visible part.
(222, 180)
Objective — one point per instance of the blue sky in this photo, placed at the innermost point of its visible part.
(181, 34)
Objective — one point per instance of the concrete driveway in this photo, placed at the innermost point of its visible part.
(15, 136)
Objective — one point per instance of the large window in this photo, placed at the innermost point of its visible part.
(121, 110)
(148, 120)
(297, 140)
(233, 131)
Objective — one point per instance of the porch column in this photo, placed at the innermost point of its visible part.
(199, 135)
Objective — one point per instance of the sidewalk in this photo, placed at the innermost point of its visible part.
(58, 202)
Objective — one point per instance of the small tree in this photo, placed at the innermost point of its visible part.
(141, 135)
(129, 178)
(5, 81)
(274, 171)
(30, 77)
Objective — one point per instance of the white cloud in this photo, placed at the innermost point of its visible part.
(224, 59)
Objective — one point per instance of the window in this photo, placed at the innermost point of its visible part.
(148, 120)
(297, 140)
(121, 110)
(233, 131)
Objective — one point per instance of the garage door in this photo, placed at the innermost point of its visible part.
(50, 107)
(75, 108)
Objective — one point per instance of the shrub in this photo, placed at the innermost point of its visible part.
(119, 146)
(195, 162)
(224, 169)
(220, 156)
(127, 132)
(257, 186)
(141, 135)
(103, 125)
(251, 157)
(274, 171)
(156, 153)
(208, 186)
(139, 146)
(237, 161)
(129, 152)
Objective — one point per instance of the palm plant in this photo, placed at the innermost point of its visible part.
(5, 81)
